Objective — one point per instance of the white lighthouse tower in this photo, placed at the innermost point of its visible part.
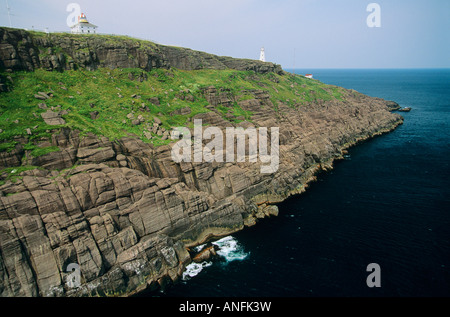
(262, 56)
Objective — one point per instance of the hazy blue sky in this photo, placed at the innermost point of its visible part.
(323, 33)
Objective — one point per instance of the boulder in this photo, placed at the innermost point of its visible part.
(98, 155)
(94, 115)
(53, 118)
(154, 100)
(190, 98)
(121, 157)
(157, 120)
(40, 97)
(183, 111)
(45, 95)
(123, 163)
(148, 135)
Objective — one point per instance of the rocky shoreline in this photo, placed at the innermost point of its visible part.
(130, 227)
(128, 215)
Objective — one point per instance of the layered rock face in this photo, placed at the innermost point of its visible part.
(21, 50)
(127, 214)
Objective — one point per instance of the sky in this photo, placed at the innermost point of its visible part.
(295, 33)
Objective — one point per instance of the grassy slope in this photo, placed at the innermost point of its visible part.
(101, 88)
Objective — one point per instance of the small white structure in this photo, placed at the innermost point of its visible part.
(83, 26)
(262, 56)
(309, 76)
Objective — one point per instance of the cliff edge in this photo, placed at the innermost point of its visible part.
(86, 172)
(23, 50)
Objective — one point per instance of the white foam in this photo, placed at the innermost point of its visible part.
(199, 248)
(194, 269)
(231, 249)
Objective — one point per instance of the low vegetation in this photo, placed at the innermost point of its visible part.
(106, 102)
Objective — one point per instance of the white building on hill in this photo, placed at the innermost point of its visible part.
(262, 56)
(83, 26)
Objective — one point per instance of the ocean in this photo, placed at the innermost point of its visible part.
(388, 203)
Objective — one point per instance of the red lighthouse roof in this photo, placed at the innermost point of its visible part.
(82, 18)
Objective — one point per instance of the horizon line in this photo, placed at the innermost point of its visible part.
(287, 68)
(366, 68)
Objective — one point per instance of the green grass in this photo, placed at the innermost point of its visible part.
(7, 146)
(13, 173)
(110, 93)
(36, 151)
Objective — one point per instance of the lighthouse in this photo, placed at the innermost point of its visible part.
(262, 56)
(83, 26)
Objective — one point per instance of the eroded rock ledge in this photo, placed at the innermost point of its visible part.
(123, 210)
(127, 214)
(22, 50)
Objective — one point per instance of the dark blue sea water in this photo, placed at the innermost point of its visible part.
(389, 204)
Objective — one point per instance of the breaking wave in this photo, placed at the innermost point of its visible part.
(194, 269)
(230, 249)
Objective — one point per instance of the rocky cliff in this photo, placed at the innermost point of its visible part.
(21, 50)
(122, 209)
